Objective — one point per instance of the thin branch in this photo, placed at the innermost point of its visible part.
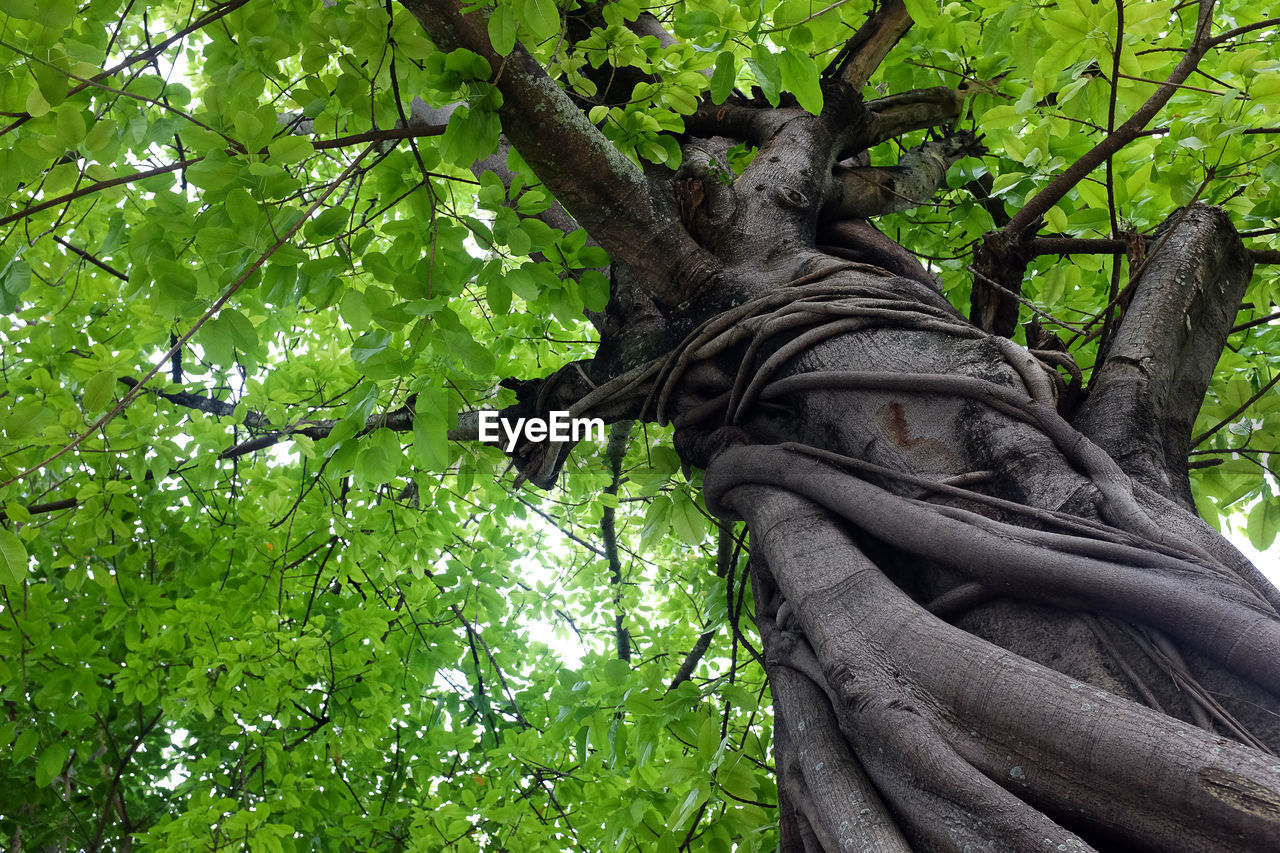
(133, 393)
(1195, 442)
(100, 264)
(1076, 246)
(1022, 299)
(339, 142)
(90, 189)
(818, 14)
(124, 93)
(395, 133)
(1258, 322)
(145, 56)
(614, 453)
(725, 552)
(1239, 31)
(1038, 206)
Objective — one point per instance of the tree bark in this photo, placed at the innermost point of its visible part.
(896, 463)
(1144, 398)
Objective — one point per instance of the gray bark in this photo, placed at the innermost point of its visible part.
(1144, 398)
(891, 458)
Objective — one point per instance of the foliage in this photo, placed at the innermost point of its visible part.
(226, 626)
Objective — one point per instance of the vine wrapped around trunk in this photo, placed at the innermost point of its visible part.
(968, 585)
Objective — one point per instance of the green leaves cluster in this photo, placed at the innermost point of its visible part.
(340, 640)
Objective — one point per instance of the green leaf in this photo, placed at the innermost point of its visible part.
(800, 77)
(471, 135)
(540, 16)
(430, 438)
(14, 563)
(51, 763)
(241, 208)
(722, 78)
(36, 104)
(380, 457)
(327, 223)
(595, 290)
(923, 12)
(1056, 218)
(686, 520)
(15, 278)
(764, 65)
(682, 812)
(290, 149)
(99, 391)
(243, 334)
(25, 744)
(370, 344)
(502, 28)
(1264, 522)
(498, 295)
(71, 126)
(248, 126)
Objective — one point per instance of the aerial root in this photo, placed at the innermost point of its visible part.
(943, 722)
(824, 779)
(940, 800)
(821, 308)
(1201, 605)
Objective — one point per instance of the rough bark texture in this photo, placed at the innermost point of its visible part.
(986, 626)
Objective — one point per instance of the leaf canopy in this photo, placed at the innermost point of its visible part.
(224, 625)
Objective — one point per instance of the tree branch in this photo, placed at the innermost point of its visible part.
(915, 110)
(737, 119)
(1123, 135)
(867, 48)
(1240, 410)
(144, 56)
(861, 193)
(1144, 398)
(97, 186)
(598, 186)
(93, 259)
(614, 453)
(231, 290)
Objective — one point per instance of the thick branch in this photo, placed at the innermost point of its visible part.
(1003, 256)
(1144, 398)
(915, 110)
(861, 193)
(737, 119)
(857, 240)
(867, 48)
(603, 190)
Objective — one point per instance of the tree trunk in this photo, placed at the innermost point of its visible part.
(991, 619)
(1048, 556)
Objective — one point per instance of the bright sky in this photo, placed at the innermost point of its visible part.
(1267, 561)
